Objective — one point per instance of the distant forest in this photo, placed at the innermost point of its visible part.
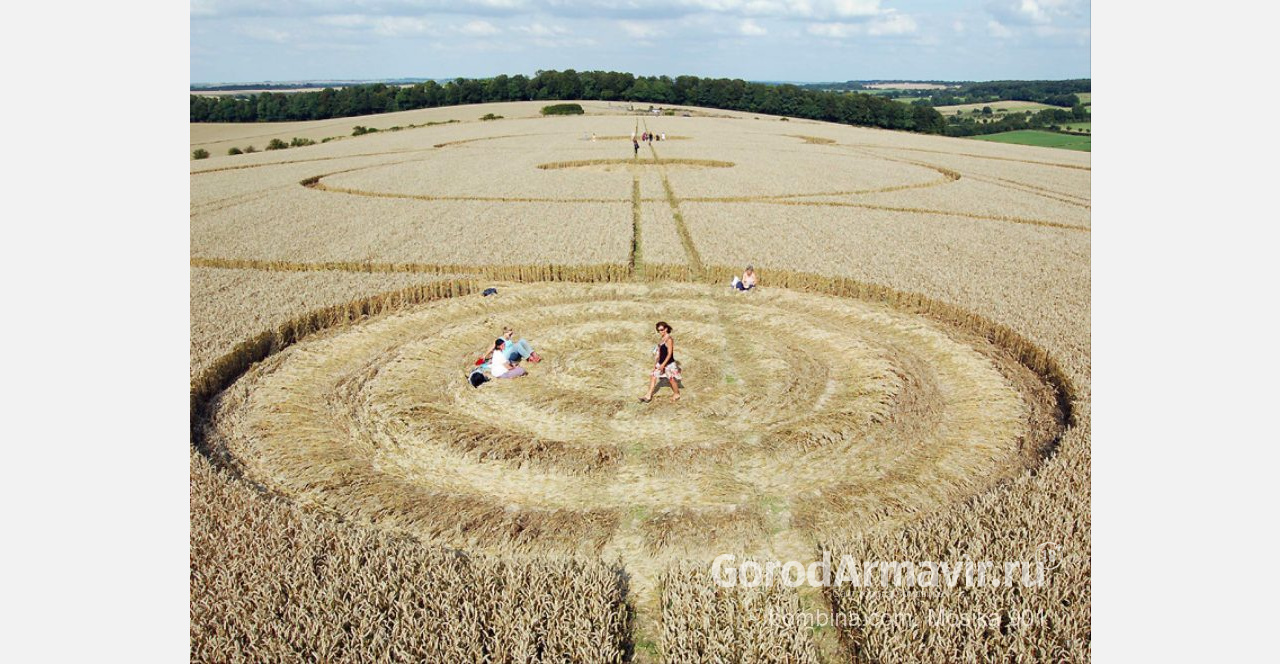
(1053, 93)
(1062, 94)
(865, 110)
(295, 85)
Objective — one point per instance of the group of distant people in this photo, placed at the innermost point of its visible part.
(648, 137)
(503, 360)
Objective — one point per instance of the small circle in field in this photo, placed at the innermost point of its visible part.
(616, 164)
(624, 137)
(802, 416)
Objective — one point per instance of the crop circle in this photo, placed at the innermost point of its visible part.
(803, 415)
(609, 165)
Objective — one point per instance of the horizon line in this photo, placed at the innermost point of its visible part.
(453, 78)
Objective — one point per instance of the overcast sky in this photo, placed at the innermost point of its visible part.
(763, 40)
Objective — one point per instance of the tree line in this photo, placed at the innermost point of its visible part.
(729, 94)
(1053, 93)
(1048, 118)
(298, 85)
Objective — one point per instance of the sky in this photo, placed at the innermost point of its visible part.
(758, 40)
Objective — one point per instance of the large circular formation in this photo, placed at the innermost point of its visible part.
(802, 415)
(401, 198)
(872, 409)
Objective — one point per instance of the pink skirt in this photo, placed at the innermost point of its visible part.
(672, 371)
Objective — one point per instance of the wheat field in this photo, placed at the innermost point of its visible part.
(910, 382)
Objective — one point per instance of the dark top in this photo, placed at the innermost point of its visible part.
(662, 354)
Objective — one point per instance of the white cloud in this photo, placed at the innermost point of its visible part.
(332, 47)
(928, 39)
(203, 8)
(887, 24)
(638, 29)
(750, 28)
(763, 32)
(1062, 32)
(377, 7)
(542, 30)
(401, 26)
(1035, 12)
(496, 4)
(263, 33)
(833, 30)
(892, 24)
(849, 8)
(608, 9)
(565, 42)
(344, 20)
(384, 26)
(805, 9)
(1061, 21)
(479, 29)
(553, 36)
(1045, 11)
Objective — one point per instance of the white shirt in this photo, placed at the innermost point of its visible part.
(498, 364)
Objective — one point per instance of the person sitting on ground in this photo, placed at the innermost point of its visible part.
(666, 366)
(747, 282)
(500, 365)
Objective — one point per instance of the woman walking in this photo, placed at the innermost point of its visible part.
(666, 365)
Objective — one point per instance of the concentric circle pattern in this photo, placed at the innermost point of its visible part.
(635, 164)
(801, 415)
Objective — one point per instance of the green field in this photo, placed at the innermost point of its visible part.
(1044, 139)
(1078, 126)
(1085, 97)
(1006, 106)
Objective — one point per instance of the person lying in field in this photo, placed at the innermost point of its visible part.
(479, 375)
(518, 350)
